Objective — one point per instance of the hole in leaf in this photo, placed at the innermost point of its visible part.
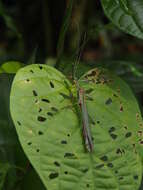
(29, 143)
(141, 141)
(116, 171)
(18, 122)
(121, 108)
(54, 109)
(40, 118)
(129, 134)
(57, 164)
(114, 136)
(51, 84)
(68, 135)
(40, 67)
(31, 71)
(45, 100)
(136, 177)
(140, 133)
(104, 158)
(85, 170)
(40, 109)
(38, 150)
(126, 127)
(66, 172)
(69, 155)
(98, 122)
(123, 151)
(63, 142)
(35, 93)
(115, 95)
(119, 151)
(36, 101)
(93, 123)
(121, 178)
(87, 185)
(53, 175)
(110, 165)
(137, 115)
(112, 129)
(100, 166)
(40, 133)
(50, 114)
(28, 80)
(108, 102)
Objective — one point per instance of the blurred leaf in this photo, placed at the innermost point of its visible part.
(10, 67)
(4, 167)
(9, 21)
(32, 59)
(51, 61)
(64, 28)
(126, 14)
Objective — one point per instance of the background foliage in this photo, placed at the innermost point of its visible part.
(29, 25)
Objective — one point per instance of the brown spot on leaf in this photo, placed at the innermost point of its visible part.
(140, 133)
(121, 108)
(137, 115)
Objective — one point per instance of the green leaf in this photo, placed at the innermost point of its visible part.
(64, 28)
(4, 167)
(10, 67)
(126, 14)
(49, 129)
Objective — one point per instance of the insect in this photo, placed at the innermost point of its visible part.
(83, 109)
(85, 118)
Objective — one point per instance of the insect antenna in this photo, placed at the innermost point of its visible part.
(82, 44)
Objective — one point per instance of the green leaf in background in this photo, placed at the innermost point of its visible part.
(10, 67)
(49, 129)
(10, 23)
(126, 14)
(4, 167)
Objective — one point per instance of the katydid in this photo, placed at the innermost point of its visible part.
(82, 105)
(85, 119)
